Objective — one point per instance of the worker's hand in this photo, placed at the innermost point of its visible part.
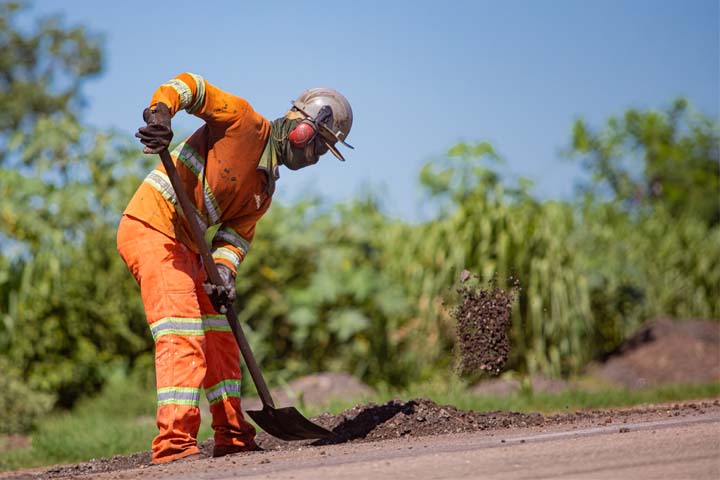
(156, 135)
(224, 294)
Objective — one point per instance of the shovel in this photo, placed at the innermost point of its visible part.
(284, 423)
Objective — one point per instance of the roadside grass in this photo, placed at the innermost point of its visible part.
(121, 420)
(586, 395)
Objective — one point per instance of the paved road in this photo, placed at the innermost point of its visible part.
(686, 448)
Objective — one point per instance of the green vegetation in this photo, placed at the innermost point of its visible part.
(334, 287)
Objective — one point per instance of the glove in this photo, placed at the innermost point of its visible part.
(223, 294)
(156, 135)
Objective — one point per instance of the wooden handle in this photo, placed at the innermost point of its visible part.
(198, 235)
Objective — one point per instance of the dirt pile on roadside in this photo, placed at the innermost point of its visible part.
(418, 417)
(399, 419)
(482, 325)
(662, 352)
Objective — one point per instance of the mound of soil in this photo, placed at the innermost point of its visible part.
(665, 352)
(397, 419)
(482, 325)
(394, 419)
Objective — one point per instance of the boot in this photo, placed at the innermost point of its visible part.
(222, 450)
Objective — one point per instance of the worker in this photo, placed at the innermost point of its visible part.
(229, 167)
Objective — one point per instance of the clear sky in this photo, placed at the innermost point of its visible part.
(420, 75)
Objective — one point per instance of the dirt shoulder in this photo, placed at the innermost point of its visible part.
(384, 426)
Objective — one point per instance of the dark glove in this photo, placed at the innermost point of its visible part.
(156, 135)
(223, 294)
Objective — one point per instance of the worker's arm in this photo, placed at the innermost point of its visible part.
(232, 241)
(190, 92)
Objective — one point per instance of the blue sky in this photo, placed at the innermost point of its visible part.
(420, 75)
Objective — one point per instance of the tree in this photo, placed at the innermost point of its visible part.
(41, 73)
(668, 159)
(68, 312)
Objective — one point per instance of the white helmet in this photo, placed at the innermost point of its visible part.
(334, 128)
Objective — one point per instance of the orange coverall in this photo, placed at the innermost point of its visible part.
(228, 172)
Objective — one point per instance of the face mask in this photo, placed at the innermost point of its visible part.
(297, 143)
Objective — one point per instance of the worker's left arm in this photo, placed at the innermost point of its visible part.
(232, 241)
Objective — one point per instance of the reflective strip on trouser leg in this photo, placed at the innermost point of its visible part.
(178, 396)
(189, 326)
(168, 273)
(170, 278)
(223, 390)
(222, 387)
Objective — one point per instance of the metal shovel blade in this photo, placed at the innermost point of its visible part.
(287, 424)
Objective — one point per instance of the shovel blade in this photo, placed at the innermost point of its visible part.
(287, 424)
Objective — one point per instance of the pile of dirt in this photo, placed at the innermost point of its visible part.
(663, 352)
(482, 325)
(398, 419)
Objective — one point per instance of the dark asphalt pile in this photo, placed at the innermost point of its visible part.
(482, 324)
(396, 418)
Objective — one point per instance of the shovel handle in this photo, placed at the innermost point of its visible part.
(198, 236)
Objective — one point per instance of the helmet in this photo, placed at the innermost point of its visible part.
(333, 128)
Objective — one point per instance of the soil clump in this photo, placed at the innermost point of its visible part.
(482, 324)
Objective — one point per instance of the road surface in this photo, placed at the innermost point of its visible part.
(670, 448)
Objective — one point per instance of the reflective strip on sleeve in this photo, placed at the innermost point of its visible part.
(178, 396)
(161, 182)
(200, 95)
(182, 89)
(231, 236)
(215, 323)
(196, 163)
(227, 254)
(223, 390)
(177, 326)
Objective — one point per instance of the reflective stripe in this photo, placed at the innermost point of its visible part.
(231, 236)
(223, 390)
(196, 163)
(182, 89)
(192, 159)
(227, 254)
(189, 327)
(178, 396)
(200, 95)
(176, 326)
(216, 323)
(161, 182)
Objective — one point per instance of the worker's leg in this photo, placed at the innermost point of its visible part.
(222, 384)
(167, 272)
